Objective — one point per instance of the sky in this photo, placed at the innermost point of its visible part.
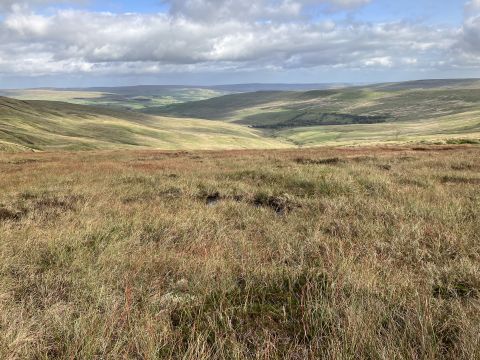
(79, 43)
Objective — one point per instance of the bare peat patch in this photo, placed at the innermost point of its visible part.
(460, 180)
(435, 148)
(212, 199)
(457, 289)
(386, 167)
(9, 215)
(327, 161)
(281, 204)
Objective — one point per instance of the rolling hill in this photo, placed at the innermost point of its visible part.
(144, 97)
(46, 125)
(423, 110)
(392, 102)
(420, 111)
(129, 98)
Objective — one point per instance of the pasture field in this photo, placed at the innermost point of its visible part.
(338, 253)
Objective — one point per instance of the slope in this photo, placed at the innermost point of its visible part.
(44, 125)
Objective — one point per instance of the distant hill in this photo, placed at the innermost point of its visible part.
(279, 87)
(252, 87)
(144, 97)
(433, 109)
(129, 98)
(223, 107)
(376, 103)
(425, 110)
(429, 84)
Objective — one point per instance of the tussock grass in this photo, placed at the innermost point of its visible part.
(315, 253)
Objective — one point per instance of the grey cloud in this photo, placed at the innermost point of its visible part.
(466, 50)
(471, 35)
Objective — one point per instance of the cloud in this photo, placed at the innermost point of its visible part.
(15, 5)
(248, 38)
(346, 4)
(470, 35)
(208, 10)
(474, 4)
(467, 47)
(384, 61)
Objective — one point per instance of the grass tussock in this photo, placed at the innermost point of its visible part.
(347, 253)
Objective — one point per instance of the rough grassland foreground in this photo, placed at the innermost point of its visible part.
(335, 253)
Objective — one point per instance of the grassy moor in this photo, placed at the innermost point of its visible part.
(339, 253)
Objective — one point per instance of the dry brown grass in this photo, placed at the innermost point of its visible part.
(327, 253)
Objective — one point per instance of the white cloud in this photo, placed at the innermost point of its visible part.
(73, 41)
(26, 25)
(384, 61)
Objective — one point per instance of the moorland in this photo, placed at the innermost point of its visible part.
(316, 253)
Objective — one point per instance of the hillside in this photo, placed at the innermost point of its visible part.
(392, 102)
(129, 98)
(224, 107)
(423, 110)
(144, 97)
(430, 84)
(45, 125)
